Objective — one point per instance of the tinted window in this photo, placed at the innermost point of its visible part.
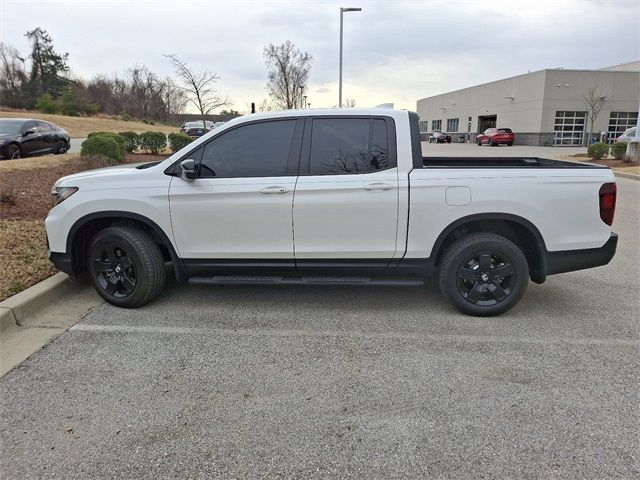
(504, 130)
(256, 150)
(341, 146)
(31, 125)
(44, 127)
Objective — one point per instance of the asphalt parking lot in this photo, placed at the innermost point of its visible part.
(328, 382)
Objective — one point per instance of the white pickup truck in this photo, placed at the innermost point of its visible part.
(337, 196)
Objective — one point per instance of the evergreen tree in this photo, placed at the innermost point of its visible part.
(47, 66)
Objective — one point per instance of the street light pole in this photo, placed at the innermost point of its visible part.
(342, 10)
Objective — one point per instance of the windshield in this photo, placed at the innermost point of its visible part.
(10, 126)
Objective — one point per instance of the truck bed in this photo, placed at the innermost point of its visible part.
(502, 162)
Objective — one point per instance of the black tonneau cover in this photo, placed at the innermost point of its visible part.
(502, 162)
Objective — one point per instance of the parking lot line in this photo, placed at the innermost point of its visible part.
(259, 332)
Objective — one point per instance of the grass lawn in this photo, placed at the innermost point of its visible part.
(79, 127)
(23, 255)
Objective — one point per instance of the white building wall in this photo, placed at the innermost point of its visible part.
(564, 90)
(528, 103)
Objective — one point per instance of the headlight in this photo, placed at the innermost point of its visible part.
(60, 194)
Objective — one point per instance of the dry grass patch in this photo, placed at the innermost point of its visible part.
(23, 255)
(33, 163)
(82, 126)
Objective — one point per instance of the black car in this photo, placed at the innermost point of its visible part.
(196, 129)
(440, 137)
(21, 137)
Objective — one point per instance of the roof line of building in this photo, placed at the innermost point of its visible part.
(558, 69)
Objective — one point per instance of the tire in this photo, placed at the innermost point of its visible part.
(492, 143)
(126, 268)
(62, 147)
(13, 152)
(468, 277)
(509, 144)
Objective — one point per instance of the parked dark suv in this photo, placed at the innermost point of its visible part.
(21, 137)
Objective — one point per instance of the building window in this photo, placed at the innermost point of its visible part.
(436, 125)
(619, 122)
(424, 126)
(453, 124)
(569, 127)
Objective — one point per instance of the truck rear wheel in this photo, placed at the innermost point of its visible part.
(126, 268)
(484, 274)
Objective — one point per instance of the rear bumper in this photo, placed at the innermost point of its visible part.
(571, 260)
(62, 261)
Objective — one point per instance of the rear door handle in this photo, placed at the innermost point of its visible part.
(273, 189)
(378, 186)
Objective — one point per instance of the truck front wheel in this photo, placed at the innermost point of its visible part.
(127, 269)
(484, 274)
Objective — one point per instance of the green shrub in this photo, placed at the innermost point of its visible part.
(619, 150)
(133, 140)
(122, 142)
(100, 147)
(153, 142)
(47, 104)
(598, 150)
(178, 141)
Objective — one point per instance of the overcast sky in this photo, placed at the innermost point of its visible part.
(395, 51)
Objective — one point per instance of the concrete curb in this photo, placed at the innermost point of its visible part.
(16, 310)
(632, 176)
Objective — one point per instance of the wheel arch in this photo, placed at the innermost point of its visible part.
(85, 228)
(517, 229)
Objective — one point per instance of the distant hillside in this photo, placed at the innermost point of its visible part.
(82, 126)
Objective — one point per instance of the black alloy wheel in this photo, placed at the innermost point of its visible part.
(62, 147)
(14, 152)
(114, 270)
(126, 267)
(485, 278)
(483, 274)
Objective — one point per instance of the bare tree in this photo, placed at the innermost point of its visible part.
(288, 73)
(13, 76)
(350, 103)
(175, 99)
(199, 88)
(594, 102)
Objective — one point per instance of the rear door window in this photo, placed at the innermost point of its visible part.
(44, 127)
(349, 146)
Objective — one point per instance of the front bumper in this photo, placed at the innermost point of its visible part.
(571, 260)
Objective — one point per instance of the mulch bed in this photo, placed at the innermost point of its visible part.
(31, 189)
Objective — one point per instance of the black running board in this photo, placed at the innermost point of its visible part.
(267, 280)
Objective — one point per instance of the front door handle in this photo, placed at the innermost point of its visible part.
(273, 189)
(378, 186)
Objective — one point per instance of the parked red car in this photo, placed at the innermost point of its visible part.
(496, 136)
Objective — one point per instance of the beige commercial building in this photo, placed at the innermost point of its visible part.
(542, 108)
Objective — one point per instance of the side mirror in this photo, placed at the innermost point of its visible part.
(26, 133)
(188, 169)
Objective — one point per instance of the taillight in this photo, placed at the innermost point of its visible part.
(608, 202)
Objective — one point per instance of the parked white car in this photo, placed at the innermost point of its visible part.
(332, 196)
(628, 135)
